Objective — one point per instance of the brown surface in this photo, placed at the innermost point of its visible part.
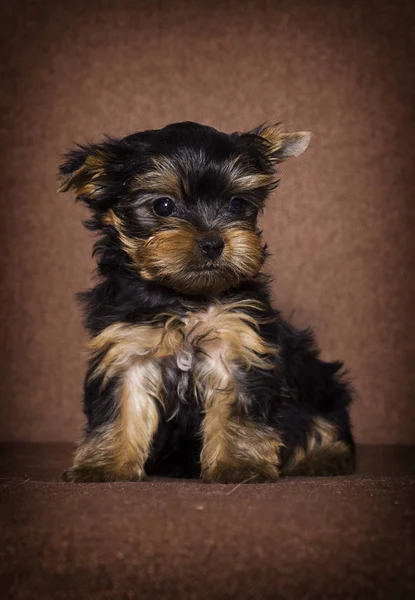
(340, 232)
(349, 537)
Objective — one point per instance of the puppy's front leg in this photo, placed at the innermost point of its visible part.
(122, 392)
(235, 447)
(118, 449)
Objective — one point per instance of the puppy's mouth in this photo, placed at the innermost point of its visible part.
(209, 267)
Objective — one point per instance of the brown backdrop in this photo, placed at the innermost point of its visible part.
(338, 227)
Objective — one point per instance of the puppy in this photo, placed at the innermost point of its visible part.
(192, 372)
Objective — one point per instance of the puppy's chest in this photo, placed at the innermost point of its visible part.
(194, 345)
(203, 335)
(219, 336)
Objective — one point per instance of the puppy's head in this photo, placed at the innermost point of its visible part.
(182, 202)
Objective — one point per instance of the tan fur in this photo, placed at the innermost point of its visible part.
(241, 178)
(324, 454)
(163, 179)
(236, 449)
(85, 180)
(129, 244)
(243, 249)
(284, 145)
(168, 251)
(126, 344)
(226, 332)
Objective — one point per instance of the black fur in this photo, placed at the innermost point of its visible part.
(300, 387)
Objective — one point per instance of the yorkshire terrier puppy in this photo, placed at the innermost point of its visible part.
(192, 372)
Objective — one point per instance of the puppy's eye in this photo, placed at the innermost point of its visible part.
(163, 207)
(238, 206)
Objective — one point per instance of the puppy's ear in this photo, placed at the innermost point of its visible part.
(82, 170)
(281, 145)
(95, 172)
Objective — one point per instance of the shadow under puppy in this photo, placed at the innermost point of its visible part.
(192, 372)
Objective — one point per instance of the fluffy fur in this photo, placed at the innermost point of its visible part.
(192, 372)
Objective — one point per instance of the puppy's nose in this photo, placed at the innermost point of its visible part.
(212, 246)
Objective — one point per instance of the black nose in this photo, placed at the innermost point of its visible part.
(211, 246)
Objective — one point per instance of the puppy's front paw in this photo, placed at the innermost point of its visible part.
(95, 475)
(224, 473)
